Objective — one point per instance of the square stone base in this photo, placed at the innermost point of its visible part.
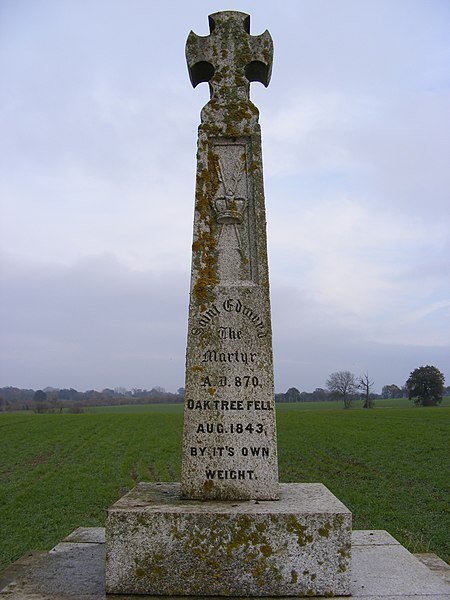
(160, 544)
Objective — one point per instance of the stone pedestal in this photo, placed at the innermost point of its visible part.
(160, 544)
(229, 528)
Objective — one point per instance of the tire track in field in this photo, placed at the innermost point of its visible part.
(134, 473)
(171, 472)
(153, 472)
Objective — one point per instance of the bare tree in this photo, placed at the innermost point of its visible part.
(343, 385)
(365, 384)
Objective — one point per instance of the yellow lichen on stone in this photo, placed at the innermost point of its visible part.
(324, 531)
(205, 243)
(293, 526)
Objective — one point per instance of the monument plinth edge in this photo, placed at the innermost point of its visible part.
(158, 543)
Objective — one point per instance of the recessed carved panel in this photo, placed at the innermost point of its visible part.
(233, 207)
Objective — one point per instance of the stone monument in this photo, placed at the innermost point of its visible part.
(229, 529)
(229, 441)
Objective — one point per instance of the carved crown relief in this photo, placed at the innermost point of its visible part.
(230, 207)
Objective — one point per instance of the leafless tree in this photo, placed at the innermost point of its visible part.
(365, 384)
(343, 385)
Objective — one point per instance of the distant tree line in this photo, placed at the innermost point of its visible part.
(294, 395)
(69, 399)
(341, 385)
(425, 386)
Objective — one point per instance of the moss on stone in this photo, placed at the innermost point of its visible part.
(204, 246)
(208, 486)
(325, 530)
(338, 521)
(293, 526)
(345, 552)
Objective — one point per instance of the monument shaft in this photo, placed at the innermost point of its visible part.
(167, 539)
(229, 438)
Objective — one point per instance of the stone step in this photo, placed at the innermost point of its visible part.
(382, 569)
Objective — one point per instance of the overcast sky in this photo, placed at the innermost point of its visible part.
(98, 128)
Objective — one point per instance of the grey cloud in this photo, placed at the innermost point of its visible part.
(94, 324)
(310, 343)
(97, 147)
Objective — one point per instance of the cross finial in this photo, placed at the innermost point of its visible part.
(229, 58)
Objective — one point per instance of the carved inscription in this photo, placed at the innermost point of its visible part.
(238, 381)
(233, 416)
(230, 305)
(228, 405)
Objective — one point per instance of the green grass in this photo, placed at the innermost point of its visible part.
(390, 467)
(136, 408)
(59, 472)
(175, 408)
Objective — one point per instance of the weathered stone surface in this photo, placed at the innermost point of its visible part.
(51, 576)
(70, 571)
(158, 543)
(436, 564)
(229, 439)
(389, 570)
(373, 537)
(87, 535)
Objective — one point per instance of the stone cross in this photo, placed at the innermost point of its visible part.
(229, 437)
(229, 58)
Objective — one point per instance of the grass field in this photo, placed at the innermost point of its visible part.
(389, 466)
(334, 404)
